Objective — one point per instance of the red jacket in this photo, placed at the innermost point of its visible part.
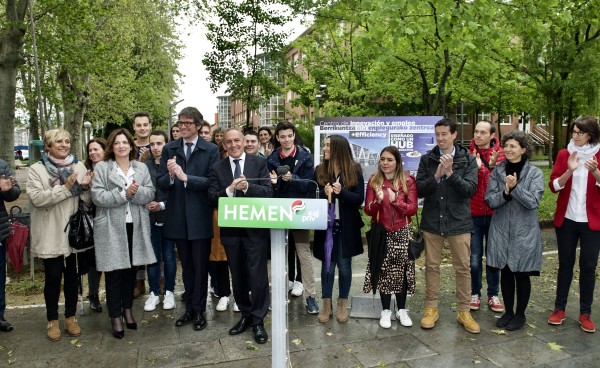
(592, 200)
(478, 205)
(392, 215)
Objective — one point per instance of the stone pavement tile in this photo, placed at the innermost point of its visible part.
(372, 326)
(378, 352)
(243, 346)
(70, 358)
(525, 352)
(262, 362)
(182, 355)
(572, 340)
(459, 358)
(584, 361)
(319, 335)
(331, 357)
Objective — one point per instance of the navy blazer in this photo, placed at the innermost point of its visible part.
(222, 176)
(188, 215)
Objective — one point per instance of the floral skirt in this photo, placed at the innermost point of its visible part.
(396, 265)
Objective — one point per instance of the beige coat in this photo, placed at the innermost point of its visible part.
(51, 208)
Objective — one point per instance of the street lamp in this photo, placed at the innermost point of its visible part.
(320, 94)
(171, 106)
(86, 125)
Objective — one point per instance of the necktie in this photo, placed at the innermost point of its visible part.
(188, 151)
(237, 172)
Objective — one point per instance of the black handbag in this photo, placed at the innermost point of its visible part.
(416, 245)
(81, 229)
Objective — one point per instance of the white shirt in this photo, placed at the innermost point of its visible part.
(242, 159)
(127, 180)
(185, 147)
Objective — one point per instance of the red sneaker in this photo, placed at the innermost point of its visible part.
(557, 317)
(475, 302)
(495, 305)
(585, 320)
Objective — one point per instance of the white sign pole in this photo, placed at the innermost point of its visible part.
(279, 287)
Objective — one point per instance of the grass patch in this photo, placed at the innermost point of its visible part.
(23, 286)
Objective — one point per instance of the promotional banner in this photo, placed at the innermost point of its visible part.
(413, 135)
(273, 213)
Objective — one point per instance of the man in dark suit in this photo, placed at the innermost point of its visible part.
(184, 169)
(246, 249)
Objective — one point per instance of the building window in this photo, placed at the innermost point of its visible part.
(507, 120)
(484, 116)
(464, 117)
(295, 59)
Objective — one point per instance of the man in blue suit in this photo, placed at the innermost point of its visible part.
(184, 169)
(247, 249)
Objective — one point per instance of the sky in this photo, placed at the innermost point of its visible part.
(194, 87)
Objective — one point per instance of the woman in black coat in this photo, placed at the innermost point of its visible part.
(340, 177)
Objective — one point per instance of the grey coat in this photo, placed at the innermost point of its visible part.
(514, 236)
(110, 234)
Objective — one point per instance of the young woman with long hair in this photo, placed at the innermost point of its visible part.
(341, 177)
(392, 200)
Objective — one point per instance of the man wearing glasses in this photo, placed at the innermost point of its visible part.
(184, 169)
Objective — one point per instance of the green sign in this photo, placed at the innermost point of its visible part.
(273, 213)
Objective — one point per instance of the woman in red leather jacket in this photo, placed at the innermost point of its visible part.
(576, 178)
(391, 199)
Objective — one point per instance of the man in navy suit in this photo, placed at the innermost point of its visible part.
(246, 249)
(184, 169)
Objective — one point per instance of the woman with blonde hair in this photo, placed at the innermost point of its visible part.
(391, 199)
(340, 177)
(55, 185)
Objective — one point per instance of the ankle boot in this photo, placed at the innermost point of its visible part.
(326, 311)
(95, 303)
(342, 310)
(72, 327)
(140, 288)
(53, 330)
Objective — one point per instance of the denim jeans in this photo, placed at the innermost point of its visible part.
(344, 266)
(481, 226)
(164, 250)
(2, 278)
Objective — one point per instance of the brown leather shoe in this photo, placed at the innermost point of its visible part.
(140, 288)
(430, 317)
(465, 319)
(53, 330)
(72, 327)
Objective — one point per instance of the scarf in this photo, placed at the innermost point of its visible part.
(584, 152)
(60, 170)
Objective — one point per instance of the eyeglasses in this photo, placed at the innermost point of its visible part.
(186, 123)
(578, 133)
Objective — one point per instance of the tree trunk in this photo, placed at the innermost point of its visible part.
(11, 44)
(75, 101)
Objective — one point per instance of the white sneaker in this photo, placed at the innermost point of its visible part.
(290, 285)
(151, 302)
(222, 305)
(235, 308)
(386, 318)
(402, 316)
(169, 300)
(298, 288)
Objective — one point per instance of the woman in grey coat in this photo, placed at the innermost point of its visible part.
(121, 189)
(515, 243)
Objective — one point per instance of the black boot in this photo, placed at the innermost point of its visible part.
(95, 303)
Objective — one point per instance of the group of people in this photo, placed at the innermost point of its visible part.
(148, 199)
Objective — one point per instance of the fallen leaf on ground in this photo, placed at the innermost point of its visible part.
(297, 341)
(554, 346)
(531, 325)
(499, 332)
(329, 334)
(74, 341)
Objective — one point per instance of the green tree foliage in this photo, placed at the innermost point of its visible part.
(248, 48)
